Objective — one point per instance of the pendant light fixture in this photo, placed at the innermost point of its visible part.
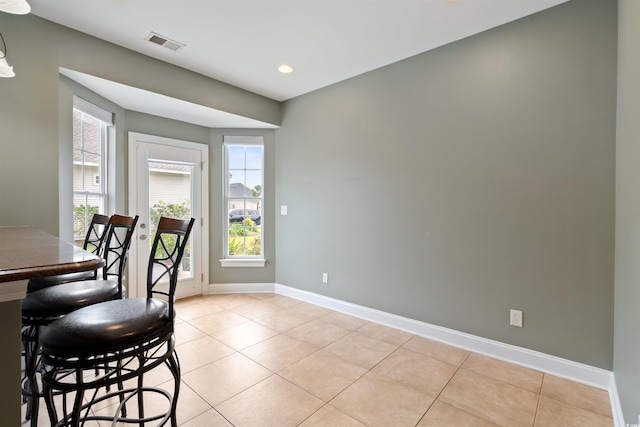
(5, 69)
(18, 7)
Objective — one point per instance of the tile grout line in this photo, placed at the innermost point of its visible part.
(279, 333)
(327, 403)
(235, 352)
(535, 416)
(444, 387)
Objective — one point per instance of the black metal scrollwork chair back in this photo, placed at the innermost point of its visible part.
(121, 339)
(93, 242)
(41, 308)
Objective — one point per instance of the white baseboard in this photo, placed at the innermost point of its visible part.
(241, 288)
(616, 407)
(574, 371)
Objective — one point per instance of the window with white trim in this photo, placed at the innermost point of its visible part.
(90, 124)
(243, 197)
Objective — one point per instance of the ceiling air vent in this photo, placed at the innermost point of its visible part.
(165, 42)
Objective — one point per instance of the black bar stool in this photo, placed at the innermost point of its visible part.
(121, 340)
(93, 242)
(40, 308)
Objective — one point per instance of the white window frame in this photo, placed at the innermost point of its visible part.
(106, 119)
(245, 260)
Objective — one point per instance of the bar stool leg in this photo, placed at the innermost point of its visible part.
(48, 399)
(139, 394)
(78, 400)
(174, 366)
(123, 410)
(30, 387)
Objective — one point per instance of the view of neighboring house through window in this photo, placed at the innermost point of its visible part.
(170, 195)
(243, 196)
(89, 164)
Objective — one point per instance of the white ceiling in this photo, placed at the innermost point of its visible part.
(242, 42)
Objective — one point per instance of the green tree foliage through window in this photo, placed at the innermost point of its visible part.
(82, 215)
(171, 210)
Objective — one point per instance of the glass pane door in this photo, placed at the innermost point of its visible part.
(168, 178)
(170, 195)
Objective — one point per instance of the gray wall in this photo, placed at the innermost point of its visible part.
(466, 181)
(627, 322)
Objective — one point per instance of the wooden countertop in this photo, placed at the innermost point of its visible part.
(26, 253)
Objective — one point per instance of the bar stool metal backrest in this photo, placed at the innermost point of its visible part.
(93, 242)
(116, 252)
(109, 343)
(96, 233)
(167, 252)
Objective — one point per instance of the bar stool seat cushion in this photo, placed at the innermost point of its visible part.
(107, 327)
(61, 299)
(46, 282)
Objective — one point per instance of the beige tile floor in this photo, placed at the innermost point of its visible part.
(269, 360)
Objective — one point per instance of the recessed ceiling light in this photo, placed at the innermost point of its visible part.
(285, 69)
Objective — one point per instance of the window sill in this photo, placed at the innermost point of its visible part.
(244, 262)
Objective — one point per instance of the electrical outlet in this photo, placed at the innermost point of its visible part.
(515, 318)
(325, 278)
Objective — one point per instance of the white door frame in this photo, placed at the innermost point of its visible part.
(201, 225)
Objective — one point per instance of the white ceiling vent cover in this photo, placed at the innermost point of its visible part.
(165, 42)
